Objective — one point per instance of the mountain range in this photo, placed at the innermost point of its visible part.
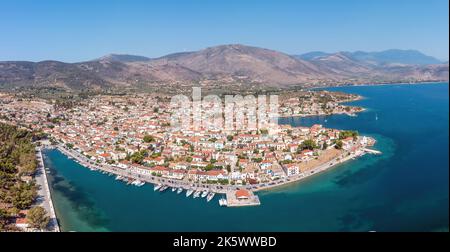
(227, 64)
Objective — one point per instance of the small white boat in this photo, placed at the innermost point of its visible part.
(137, 182)
(174, 189)
(210, 196)
(179, 190)
(157, 187)
(163, 188)
(189, 192)
(222, 202)
(204, 194)
(118, 177)
(197, 194)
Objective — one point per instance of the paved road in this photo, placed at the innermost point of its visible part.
(44, 197)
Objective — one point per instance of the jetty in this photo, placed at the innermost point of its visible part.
(242, 197)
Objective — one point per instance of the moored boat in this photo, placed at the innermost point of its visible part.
(223, 202)
(197, 194)
(179, 190)
(210, 196)
(157, 187)
(204, 194)
(163, 188)
(189, 192)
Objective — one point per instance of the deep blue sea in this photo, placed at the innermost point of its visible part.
(405, 189)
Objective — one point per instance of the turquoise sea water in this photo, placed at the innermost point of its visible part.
(405, 189)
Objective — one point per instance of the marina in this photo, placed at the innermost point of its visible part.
(192, 189)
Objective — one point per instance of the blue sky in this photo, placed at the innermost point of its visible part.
(82, 30)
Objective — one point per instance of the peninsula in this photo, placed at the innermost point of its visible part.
(131, 136)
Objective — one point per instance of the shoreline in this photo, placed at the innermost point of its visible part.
(325, 115)
(214, 187)
(381, 84)
(359, 98)
(317, 170)
(47, 198)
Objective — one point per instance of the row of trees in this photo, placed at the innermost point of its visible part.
(17, 162)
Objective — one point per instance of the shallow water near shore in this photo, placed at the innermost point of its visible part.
(404, 189)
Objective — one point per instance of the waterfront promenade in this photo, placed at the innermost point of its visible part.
(220, 189)
(44, 196)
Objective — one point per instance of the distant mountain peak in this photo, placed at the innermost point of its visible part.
(227, 64)
(390, 56)
(124, 58)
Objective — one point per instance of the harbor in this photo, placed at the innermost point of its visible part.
(207, 192)
(204, 190)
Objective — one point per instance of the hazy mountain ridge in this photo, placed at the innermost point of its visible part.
(391, 56)
(226, 64)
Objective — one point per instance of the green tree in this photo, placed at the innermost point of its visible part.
(348, 133)
(37, 217)
(149, 139)
(338, 144)
(3, 219)
(138, 156)
(209, 167)
(307, 145)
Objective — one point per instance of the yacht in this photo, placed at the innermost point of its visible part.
(157, 187)
(189, 192)
(222, 202)
(197, 194)
(204, 194)
(118, 177)
(163, 188)
(174, 189)
(210, 196)
(179, 190)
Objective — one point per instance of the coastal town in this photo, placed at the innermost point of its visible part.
(131, 137)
